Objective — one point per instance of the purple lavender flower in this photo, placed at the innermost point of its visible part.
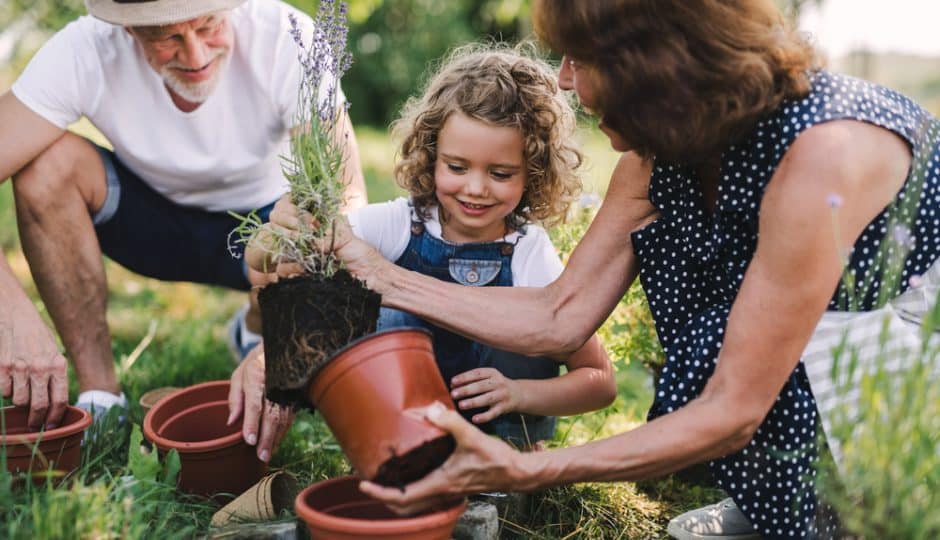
(834, 200)
(901, 234)
(325, 57)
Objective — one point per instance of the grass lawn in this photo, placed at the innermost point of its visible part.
(172, 334)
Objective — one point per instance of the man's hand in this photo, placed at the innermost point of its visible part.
(486, 387)
(264, 423)
(32, 371)
(479, 463)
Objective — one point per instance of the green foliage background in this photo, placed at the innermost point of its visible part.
(393, 41)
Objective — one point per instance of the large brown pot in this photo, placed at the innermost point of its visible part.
(214, 458)
(371, 395)
(58, 450)
(335, 509)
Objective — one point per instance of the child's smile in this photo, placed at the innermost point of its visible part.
(479, 178)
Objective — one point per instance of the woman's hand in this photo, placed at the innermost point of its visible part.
(361, 259)
(479, 463)
(486, 387)
(265, 422)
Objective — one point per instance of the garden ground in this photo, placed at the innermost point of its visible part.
(171, 334)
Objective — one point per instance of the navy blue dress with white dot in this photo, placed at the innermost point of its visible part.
(693, 262)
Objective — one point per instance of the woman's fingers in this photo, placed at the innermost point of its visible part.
(479, 463)
(429, 492)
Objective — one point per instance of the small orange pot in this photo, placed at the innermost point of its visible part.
(213, 456)
(335, 509)
(57, 449)
(372, 395)
(150, 398)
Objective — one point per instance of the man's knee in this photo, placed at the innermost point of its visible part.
(69, 167)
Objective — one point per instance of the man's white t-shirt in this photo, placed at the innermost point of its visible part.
(387, 227)
(225, 155)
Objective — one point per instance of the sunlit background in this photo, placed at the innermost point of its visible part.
(394, 42)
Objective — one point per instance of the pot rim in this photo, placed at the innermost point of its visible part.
(151, 432)
(375, 335)
(371, 527)
(321, 382)
(67, 430)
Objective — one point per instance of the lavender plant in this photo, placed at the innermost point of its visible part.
(884, 424)
(314, 168)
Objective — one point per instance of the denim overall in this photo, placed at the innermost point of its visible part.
(475, 265)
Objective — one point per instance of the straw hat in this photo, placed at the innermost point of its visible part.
(154, 12)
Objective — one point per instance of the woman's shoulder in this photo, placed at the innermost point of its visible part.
(748, 166)
(842, 97)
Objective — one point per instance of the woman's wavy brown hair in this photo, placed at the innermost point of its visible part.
(680, 79)
(502, 86)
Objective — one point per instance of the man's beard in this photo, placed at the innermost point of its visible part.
(195, 92)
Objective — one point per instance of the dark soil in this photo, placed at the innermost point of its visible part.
(401, 470)
(305, 320)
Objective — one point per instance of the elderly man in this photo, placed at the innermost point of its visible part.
(197, 99)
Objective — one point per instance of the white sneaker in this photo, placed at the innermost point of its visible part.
(99, 402)
(239, 342)
(721, 521)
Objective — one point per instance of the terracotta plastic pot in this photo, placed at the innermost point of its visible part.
(150, 398)
(335, 509)
(58, 449)
(214, 458)
(372, 394)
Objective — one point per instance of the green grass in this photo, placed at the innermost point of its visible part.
(172, 334)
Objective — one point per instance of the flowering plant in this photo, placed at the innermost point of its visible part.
(314, 169)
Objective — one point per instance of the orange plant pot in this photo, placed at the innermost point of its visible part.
(335, 509)
(371, 395)
(57, 450)
(214, 458)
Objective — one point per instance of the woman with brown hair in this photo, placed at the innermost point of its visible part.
(748, 175)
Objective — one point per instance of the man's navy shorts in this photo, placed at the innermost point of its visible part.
(148, 234)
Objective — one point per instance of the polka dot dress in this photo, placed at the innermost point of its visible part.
(693, 263)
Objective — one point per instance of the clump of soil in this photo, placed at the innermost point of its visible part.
(399, 471)
(306, 320)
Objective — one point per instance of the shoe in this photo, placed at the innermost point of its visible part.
(98, 403)
(237, 344)
(721, 521)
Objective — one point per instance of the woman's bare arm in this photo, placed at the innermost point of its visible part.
(552, 321)
(786, 289)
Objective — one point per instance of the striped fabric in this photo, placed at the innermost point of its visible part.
(888, 338)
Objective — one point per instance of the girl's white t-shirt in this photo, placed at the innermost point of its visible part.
(387, 227)
(225, 155)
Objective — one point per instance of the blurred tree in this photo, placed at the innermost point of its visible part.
(49, 15)
(395, 42)
(792, 8)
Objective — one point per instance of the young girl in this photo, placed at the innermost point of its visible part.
(486, 154)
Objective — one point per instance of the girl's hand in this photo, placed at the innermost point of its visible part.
(479, 463)
(486, 387)
(362, 260)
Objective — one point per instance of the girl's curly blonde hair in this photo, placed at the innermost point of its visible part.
(502, 86)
